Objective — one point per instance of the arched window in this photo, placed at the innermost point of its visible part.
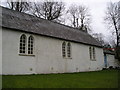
(90, 52)
(22, 48)
(64, 49)
(93, 53)
(69, 50)
(30, 45)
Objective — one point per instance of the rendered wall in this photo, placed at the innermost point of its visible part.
(111, 61)
(12, 62)
(0, 49)
(48, 56)
(0, 58)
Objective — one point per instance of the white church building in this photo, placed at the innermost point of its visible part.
(32, 45)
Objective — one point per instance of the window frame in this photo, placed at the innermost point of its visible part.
(92, 53)
(30, 45)
(26, 47)
(64, 49)
(23, 44)
(69, 50)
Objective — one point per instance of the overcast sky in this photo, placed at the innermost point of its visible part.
(97, 10)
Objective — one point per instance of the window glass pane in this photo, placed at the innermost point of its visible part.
(31, 45)
(20, 44)
(20, 51)
(31, 41)
(23, 51)
(20, 48)
(28, 52)
(23, 45)
(23, 48)
(24, 40)
(28, 48)
(23, 37)
(20, 40)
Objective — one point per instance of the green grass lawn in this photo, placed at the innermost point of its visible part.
(97, 79)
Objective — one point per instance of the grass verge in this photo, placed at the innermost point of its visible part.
(96, 79)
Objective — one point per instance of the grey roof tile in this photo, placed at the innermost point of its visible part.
(28, 23)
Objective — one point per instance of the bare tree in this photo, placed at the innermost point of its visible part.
(113, 20)
(18, 5)
(80, 16)
(48, 10)
(99, 37)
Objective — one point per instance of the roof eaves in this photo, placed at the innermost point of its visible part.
(53, 37)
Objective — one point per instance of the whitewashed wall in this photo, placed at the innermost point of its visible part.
(48, 56)
(12, 62)
(0, 51)
(111, 61)
(0, 57)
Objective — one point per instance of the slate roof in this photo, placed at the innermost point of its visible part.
(28, 23)
(105, 51)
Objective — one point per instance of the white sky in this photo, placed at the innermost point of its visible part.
(97, 10)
